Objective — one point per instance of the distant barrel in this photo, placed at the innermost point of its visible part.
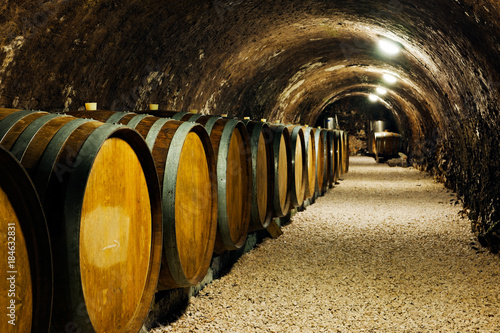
(185, 163)
(27, 263)
(311, 162)
(98, 186)
(299, 165)
(283, 170)
(261, 144)
(231, 144)
(385, 145)
(320, 141)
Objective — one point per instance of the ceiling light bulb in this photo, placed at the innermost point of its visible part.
(388, 46)
(381, 91)
(389, 78)
(373, 97)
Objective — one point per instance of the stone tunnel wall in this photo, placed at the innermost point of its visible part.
(282, 60)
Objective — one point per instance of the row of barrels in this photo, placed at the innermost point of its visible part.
(100, 209)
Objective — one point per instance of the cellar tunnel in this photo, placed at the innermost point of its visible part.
(284, 60)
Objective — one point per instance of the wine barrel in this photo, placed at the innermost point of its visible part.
(185, 163)
(27, 269)
(332, 160)
(299, 165)
(320, 137)
(311, 162)
(261, 145)
(99, 188)
(338, 152)
(283, 171)
(231, 144)
(342, 152)
(385, 145)
(345, 152)
(348, 153)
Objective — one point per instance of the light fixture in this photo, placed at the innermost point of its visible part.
(389, 78)
(381, 91)
(388, 46)
(373, 97)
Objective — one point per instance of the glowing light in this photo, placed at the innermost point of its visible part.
(381, 91)
(389, 78)
(388, 46)
(373, 97)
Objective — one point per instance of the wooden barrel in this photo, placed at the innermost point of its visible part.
(345, 154)
(311, 162)
(338, 152)
(299, 165)
(26, 271)
(320, 138)
(185, 163)
(348, 153)
(283, 170)
(99, 188)
(261, 146)
(385, 145)
(332, 159)
(231, 144)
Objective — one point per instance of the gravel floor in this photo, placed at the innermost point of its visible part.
(385, 251)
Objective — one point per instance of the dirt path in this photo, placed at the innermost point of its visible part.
(385, 251)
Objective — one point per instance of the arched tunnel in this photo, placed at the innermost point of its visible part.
(279, 60)
(291, 61)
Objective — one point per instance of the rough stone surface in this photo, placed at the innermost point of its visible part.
(385, 251)
(281, 60)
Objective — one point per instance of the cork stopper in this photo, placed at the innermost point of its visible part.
(92, 106)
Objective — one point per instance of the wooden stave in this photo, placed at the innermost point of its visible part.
(297, 133)
(111, 117)
(12, 121)
(163, 113)
(281, 131)
(55, 188)
(17, 184)
(172, 274)
(220, 131)
(255, 129)
(320, 137)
